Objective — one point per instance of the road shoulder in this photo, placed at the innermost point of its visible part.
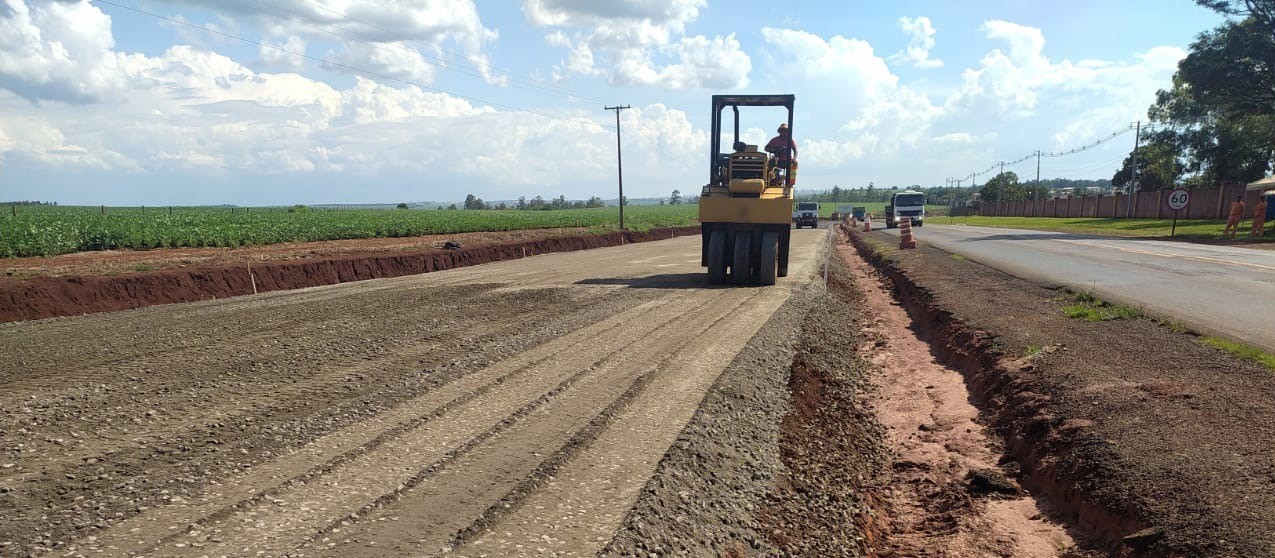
(1155, 442)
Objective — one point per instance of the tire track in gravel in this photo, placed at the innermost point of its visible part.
(192, 332)
(487, 484)
(75, 498)
(285, 472)
(352, 465)
(253, 397)
(576, 512)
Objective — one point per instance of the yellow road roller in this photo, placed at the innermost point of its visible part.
(745, 210)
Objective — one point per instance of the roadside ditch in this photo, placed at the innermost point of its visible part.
(1145, 441)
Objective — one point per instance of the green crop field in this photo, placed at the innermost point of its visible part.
(48, 230)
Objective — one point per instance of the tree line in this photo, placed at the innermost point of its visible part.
(538, 203)
(1004, 186)
(1215, 124)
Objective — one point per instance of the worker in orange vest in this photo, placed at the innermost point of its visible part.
(1233, 221)
(1259, 217)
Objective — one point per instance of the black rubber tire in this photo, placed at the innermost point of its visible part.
(717, 257)
(740, 268)
(769, 263)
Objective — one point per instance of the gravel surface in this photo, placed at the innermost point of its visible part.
(777, 459)
(704, 497)
(130, 411)
(832, 444)
(489, 410)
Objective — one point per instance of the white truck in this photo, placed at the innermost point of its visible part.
(907, 204)
(806, 214)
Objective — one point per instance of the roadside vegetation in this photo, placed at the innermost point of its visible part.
(1246, 352)
(46, 230)
(1090, 308)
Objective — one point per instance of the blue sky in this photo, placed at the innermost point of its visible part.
(102, 104)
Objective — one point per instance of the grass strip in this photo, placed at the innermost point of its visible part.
(1089, 307)
(1187, 229)
(1240, 350)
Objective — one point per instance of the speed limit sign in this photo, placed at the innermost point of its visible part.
(1178, 199)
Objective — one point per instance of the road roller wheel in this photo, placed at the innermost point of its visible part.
(717, 257)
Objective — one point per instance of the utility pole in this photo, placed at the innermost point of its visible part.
(619, 162)
(1036, 187)
(1002, 167)
(1133, 169)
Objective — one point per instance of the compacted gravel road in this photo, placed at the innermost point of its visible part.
(510, 408)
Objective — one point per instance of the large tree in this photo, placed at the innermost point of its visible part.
(1231, 69)
(1220, 109)
(1004, 186)
(1261, 11)
(1159, 167)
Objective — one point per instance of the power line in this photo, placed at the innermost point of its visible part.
(1038, 154)
(335, 64)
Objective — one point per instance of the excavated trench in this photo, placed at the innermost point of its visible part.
(1032, 439)
(47, 297)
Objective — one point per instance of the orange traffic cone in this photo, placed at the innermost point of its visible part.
(867, 224)
(905, 234)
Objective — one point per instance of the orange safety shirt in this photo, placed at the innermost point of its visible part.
(1237, 209)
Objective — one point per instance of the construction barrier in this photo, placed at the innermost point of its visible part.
(905, 234)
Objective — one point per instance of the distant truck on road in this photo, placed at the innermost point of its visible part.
(907, 204)
(806, 214)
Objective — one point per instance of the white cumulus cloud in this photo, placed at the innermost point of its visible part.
(290, 54)
(640, 42)
(878, 115)
(1021, 81)
(917, 52)
(393, 60)
(373, 30)
(60, 51)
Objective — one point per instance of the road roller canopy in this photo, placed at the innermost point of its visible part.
(720, 102)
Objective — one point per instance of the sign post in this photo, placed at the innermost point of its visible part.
(1178, 200)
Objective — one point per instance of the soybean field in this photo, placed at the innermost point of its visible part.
(39, 230)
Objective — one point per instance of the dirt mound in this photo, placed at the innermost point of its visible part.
(46, 297)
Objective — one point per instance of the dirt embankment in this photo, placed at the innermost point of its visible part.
(1141, 436)
(49, 296)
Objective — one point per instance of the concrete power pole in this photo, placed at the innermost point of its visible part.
(1036, 187)
(619, 161)
(1133, 169)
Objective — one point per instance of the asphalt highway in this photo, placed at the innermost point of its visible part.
(1222, 290)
